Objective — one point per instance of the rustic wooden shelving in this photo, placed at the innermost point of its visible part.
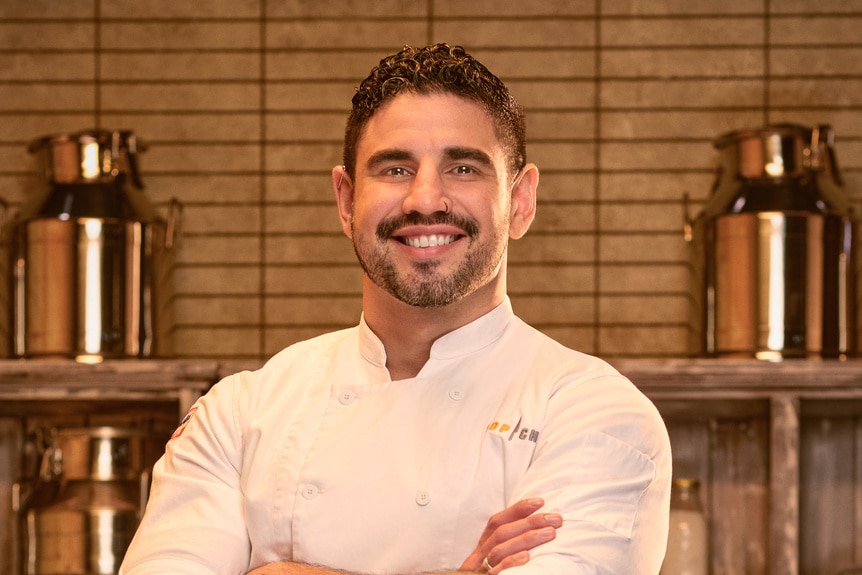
(778, 446)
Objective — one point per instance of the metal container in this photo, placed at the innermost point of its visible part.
(90, 259)
(774, 250)
(79, 516)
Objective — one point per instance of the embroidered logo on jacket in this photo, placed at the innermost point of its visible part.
(185, 422)
(516, 432)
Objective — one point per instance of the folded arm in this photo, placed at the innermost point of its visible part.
(506, 542)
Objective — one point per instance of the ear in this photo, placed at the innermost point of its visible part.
(343, 188)
(523, 201)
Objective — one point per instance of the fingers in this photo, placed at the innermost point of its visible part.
(517, 511)
(517, 520)
(510, 534)
(511, 543)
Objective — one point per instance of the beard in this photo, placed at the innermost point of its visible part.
(424, 285)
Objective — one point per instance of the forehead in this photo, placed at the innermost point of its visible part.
(427, 122)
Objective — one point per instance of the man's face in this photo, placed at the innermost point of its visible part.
(430, 210)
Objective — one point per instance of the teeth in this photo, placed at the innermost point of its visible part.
(429, 241)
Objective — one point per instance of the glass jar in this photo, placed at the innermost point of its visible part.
(687, 551)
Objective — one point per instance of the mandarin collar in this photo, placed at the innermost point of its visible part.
(463, 341)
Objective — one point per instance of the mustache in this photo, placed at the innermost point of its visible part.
(386, 228)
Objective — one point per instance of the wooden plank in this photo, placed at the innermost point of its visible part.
(784, 486)
(685, 408)
(126, 373)
(827, 512)
(678, 376)
(738, 496)
(24, 383)
(754, 376)
(10, 472)
(690, 441)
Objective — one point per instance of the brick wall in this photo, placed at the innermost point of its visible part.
(242, 103)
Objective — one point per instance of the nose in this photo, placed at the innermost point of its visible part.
(426, 194)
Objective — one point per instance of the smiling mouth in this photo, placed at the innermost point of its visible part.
(428, 241)
(422, 231)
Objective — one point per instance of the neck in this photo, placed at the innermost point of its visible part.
(409, 332)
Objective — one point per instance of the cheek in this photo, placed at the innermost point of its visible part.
(369, 209)
(364, 220)
(502, 214)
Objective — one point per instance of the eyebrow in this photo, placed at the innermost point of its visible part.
(461, 153)
(453, 153)
(383, 156)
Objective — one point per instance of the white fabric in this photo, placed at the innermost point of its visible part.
(319, 457)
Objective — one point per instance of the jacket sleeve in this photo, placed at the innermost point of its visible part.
(194, 521)
(605, 465)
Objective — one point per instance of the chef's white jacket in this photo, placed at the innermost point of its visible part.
(319, 457)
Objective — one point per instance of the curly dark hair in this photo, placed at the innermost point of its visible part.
(439, 68)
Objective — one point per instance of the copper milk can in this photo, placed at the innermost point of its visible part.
(90, 260)
(774, 250)
(79, 516)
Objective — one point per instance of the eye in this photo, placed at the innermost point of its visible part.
(396, 171)
(464, 170)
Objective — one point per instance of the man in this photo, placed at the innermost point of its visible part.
(442, 433)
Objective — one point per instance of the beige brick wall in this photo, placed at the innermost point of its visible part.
(242, 103)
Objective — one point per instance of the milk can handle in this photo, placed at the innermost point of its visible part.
(824, 135)
(829, 141)
(131, 155)
(687, 222)
(812, 152)
(174, 224)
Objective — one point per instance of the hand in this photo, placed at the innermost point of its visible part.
(510, 534)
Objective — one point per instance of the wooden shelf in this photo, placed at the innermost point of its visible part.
(770, 442)
(697, 378)
(56, 380)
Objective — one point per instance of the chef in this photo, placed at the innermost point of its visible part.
(441, 434)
